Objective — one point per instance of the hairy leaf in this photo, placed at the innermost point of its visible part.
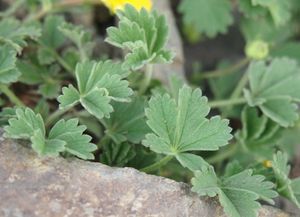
(24, 125)
(77, 143)
(275, 89)
(259, 133)
(117, 154)
(210, 17)
(238, 194)
(286, 187)
(181, 125)
(144, 34)
(14, 33)
(8, 70)
(127, 122)
(280, 10)
(98, 85)
(79, 36)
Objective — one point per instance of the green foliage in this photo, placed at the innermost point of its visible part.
(238, 194)
(275, 89)
(259, 134)
(139, 121)
(50, 39)
(210, 17)
(144, 34)
(279, 10)
(63, 136)
(117, 154)
(131, 127)
(98, 85)
(13, 33)
(289, 188)
(180, 125)
(8, 70)
(80, 37)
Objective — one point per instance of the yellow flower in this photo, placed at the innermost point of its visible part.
(114, 5)
(267, 163)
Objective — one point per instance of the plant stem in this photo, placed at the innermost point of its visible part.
(11, 96)
(54, 116)
(157, 165)
(229, 102)
(14, 7)
(222, 72)
(223, 154)
(59, 6)
(61, 61)
(238, 91)
(146, 82)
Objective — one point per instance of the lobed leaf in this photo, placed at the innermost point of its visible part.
(127, 122)
(238, 194)
(76, 142)
(14, 33)
(8, 71)
(286, 187)
(181, 126)
(98, 85)
(144, 34)
(275, 89)
(210, 17)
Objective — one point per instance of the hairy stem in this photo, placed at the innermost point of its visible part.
(224, 103)
(55, 115)
(223, 154)
(146, 82)
(61, 5)
(222, 72)
(11, 96)
(157, 165)
(61, 61)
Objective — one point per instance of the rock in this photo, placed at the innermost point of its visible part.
(164, 71)
(55, 187)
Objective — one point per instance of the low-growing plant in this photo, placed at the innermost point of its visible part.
(112, 111)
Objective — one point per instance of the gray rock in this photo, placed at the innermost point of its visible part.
(164, 71)
(55, 187)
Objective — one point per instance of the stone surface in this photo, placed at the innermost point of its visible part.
(164, 71)
(55, 187)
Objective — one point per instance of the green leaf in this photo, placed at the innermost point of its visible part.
(259, 134)
(238, 194)
(25, 124)
(181, 125)
(280, 10)
(79, 36)
(275, 89)
(127, 122)
(8, 70)
(49, 90)
(286, 187)
(42, 146)
(98, 85)
(144, 34)
(210, 17)
(14, 33)
(31, 73)
(250, 10)
(289, 49)
(263, 29)
(117, 154)
(77, 143)
(51, 36)
(191, 161)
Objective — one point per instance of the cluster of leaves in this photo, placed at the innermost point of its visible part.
(149, 129)
(267, 26)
